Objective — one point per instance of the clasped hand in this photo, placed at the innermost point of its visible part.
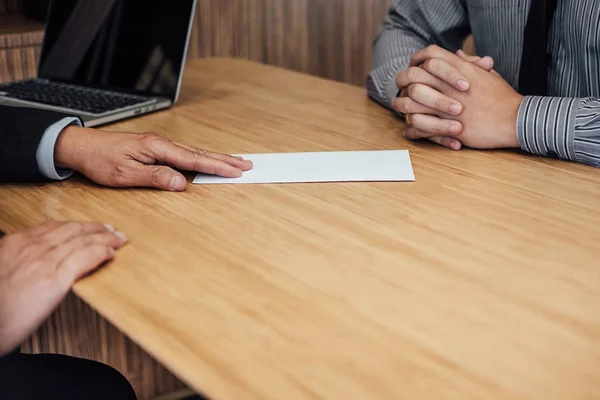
(455, 100)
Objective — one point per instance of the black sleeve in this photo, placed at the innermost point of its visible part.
(21, 130)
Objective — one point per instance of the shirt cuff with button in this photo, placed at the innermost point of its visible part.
(567, 128)
(45, 150)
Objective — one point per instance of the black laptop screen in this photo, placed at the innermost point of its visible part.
(135, 46)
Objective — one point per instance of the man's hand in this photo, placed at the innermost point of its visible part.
(422, 95)
(143, 160)
(491, 106)
(38, 267)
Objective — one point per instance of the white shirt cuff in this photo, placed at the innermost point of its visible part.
(45, 150)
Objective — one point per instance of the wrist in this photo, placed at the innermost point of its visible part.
(70, 148)
(512, 136)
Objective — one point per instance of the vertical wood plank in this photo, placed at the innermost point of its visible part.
(77, 330)
(328, 38)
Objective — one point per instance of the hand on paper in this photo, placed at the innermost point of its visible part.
(144, 160)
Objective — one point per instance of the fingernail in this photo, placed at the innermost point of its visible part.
(455, 109)
(176, 183)
(109, 227)
(462, 84)
(455, 128)
(121, 235)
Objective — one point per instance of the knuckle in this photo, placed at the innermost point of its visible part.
(120, 175)
(440, 103)
(82, 241)
(412, 90)
(155, 176)
(53, 225)
(200, 152)
(149, 135)
(152, 140)
(409, 105)
(431, 50)
(452, 75)
(413, 134)
(412, 74)
(75, 227)
(441, 127)
(433, 64)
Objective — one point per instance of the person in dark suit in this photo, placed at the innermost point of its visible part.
(38, 266)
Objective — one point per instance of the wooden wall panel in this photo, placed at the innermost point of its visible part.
(19, 55)
(10, 5)
(327, 38)
(75, 329)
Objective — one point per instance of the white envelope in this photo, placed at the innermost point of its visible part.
(329, 166)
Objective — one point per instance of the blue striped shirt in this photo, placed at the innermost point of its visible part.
(564, 124)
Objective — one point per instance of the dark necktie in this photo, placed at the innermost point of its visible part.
(534, 63)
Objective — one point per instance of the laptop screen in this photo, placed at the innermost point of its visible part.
(133, 46)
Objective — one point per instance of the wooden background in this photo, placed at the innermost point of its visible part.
(327, 38)
(75, 329)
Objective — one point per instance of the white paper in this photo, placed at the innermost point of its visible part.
(334, 166)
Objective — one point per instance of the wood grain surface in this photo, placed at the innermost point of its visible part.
(479, 280)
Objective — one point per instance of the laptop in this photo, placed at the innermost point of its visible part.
(108, 60)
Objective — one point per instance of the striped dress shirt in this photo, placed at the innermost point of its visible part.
(564, 124)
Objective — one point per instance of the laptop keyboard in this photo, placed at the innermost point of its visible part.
(68, 96)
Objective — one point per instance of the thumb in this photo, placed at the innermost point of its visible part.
(486, 63)
(161, 177)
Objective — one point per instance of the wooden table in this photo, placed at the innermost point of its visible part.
(479, 280)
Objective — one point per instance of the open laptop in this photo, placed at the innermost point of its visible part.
(107, 60)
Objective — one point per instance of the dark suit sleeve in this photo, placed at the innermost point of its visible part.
(21, 130)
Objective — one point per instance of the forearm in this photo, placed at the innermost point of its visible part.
(567, 128)
(27, 140)
(411, 26)
(18, 161)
